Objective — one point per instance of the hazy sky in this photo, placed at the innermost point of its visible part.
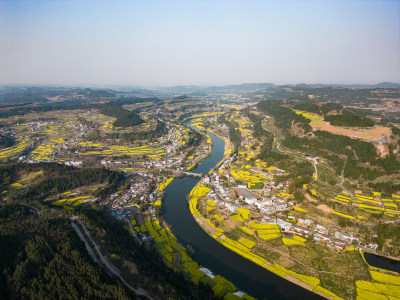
(149, 43)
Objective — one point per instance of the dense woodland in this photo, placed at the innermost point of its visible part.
(6, 141)
(131, 137)
(45, 259)
(349, 121)
(153, 275)
(322, 109)
(341, 95)
(57, 179)
(52, 261)
(284, 116)
(125, 118)
(234, 134)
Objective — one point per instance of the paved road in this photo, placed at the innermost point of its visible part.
(110, 267)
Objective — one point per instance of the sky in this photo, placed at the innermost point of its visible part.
(164, 43)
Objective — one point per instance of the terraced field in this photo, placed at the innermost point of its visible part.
(177, 258)
(12, 152)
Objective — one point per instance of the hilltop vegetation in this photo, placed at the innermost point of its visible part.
(349, 121)
(362, 158)
(125, 118)
(45, 258)
(49, 246)
(56, 179)
(348, 118)
(6, 141)
(322, 109)
(284, 116)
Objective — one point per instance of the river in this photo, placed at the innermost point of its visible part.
(247, 276)
(382, 262)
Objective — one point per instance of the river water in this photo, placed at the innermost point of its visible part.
(247, 276)
(382, 262)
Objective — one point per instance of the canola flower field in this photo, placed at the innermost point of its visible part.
(43, 152)
(374, 204)
(384, 285)
(20, 146)
(315, 119)
(177, 258)
(250, 177)
(151, 152)
(76, 201)
(265, 232)
(243, 246)
(162, 186)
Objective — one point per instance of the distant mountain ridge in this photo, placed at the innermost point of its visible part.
(15, 95)
(382, 85)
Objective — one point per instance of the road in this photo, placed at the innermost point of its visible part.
(35, 210)
(134, 232)
(110, 267)
(82, 237)
(341, 183)
(315, 159)
(315, 162)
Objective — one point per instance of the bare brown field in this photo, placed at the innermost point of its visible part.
(324, 208)
(7, 108)
(374, 133)
(383, 149)
(311, 199)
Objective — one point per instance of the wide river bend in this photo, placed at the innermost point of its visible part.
(247, 276)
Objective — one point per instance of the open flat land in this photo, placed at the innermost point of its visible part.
(374, 133)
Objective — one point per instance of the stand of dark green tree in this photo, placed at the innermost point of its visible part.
(6, 141)
(349, 121)
(56, 179)
(362, 159)
(125, 118)
(44, 257)
(234, 134)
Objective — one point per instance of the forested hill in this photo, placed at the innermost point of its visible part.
(6, 141)
(362, 160)
(349, 121)
(44, 257)
(320, 109)
(284, 116)
(336, 114)
(125, 118)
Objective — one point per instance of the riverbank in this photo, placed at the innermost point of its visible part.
(307, 282)
(310, 283)
(175, 255)
(215, 233)
(287, 290)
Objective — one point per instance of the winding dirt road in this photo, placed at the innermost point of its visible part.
(110, 267)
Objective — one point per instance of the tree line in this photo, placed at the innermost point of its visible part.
(349, 121)
(57, 179)
(235, 136)
(44, 258)
(284, 116)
